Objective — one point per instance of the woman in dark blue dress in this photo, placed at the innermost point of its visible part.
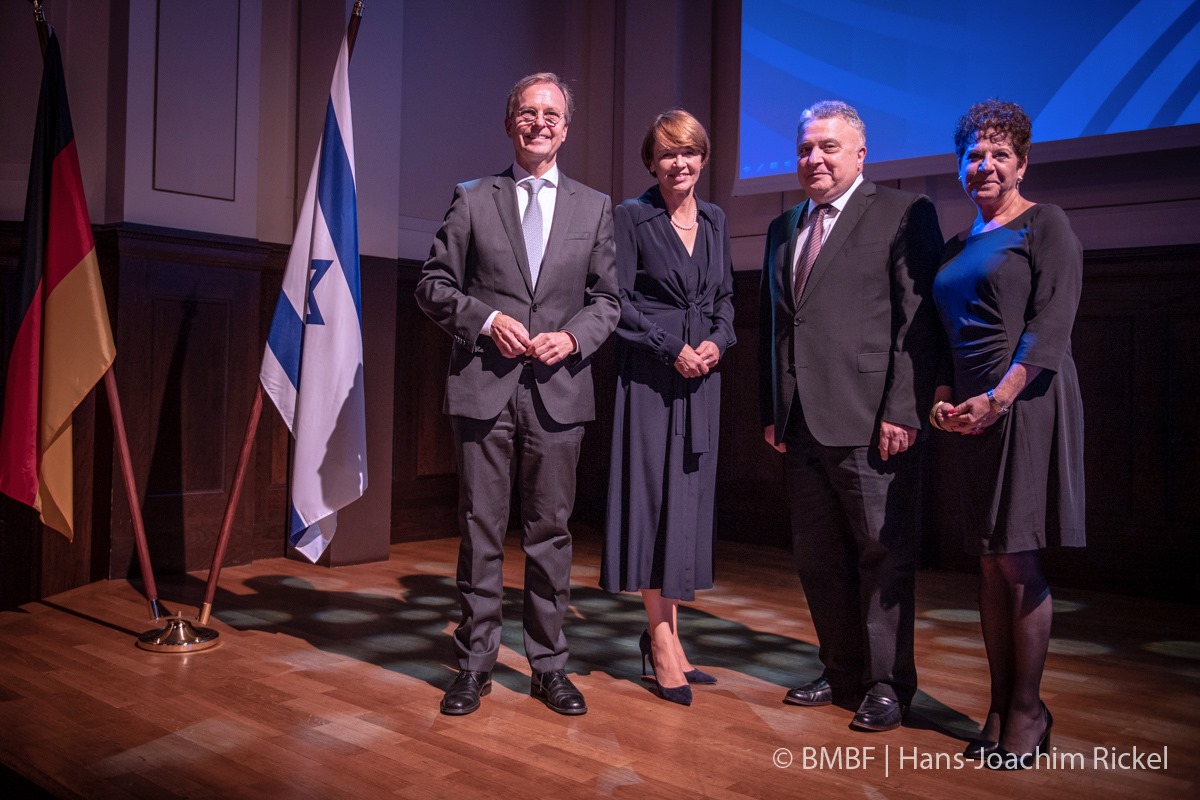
(676, 281)
(1007, 293)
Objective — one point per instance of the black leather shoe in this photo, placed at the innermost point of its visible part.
(814, 693)
(1002, 759)
(878, 714)
(557, 692)
(463, 695)
(979, 748)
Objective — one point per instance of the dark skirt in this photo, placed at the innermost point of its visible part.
(659, 526)
(1019, 485)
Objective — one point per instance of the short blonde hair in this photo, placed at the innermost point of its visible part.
(675, 128)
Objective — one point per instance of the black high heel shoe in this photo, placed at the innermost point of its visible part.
(675, 694)
(979, 748)
(692, 675)
(647, 656)
(1001, 759)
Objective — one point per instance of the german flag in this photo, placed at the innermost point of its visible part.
(63, 344)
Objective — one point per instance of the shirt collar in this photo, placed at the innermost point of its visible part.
(654, 197)
(844, 197)
(520, 174)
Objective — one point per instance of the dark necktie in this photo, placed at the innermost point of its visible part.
(812, 249)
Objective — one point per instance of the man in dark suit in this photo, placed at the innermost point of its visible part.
(847, 340)
(519, 386)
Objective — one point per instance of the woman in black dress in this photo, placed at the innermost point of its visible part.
(676, 280)
(1007, 293)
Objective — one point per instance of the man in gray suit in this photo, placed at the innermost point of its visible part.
(522, 276)
(845, 368)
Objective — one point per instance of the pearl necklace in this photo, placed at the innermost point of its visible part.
(685, 228)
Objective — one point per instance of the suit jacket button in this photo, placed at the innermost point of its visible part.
(533, 307)
(796, 322)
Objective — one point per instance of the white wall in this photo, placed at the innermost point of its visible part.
(83, 32)
(428, 81)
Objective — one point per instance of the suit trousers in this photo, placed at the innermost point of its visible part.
(524, 444)
(854, 542)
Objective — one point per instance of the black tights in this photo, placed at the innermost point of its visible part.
(1015, 610)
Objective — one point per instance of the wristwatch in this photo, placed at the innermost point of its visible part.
(995, 404)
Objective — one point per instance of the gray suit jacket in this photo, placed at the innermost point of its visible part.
(478, 264)
(862, 344)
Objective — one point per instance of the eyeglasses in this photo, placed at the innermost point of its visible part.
(527, 116)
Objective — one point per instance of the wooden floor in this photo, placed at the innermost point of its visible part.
(326, 685)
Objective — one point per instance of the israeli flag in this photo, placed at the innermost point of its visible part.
(313, 365)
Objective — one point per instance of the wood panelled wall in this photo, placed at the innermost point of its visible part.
(1136, 344)
(424, 481)
(191, 311)
(192, 314)
(1137, 348)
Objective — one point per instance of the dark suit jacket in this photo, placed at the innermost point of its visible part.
(861, 346)
(478, 264)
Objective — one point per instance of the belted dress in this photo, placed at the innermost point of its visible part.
(662, 478)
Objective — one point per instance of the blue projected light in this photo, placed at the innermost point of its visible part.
(911, 70)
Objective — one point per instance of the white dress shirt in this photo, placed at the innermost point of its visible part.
(830, 220)
(547, 197)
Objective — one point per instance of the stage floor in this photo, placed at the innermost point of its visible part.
(325, 684)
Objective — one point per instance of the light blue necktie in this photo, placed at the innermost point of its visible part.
(531, 224)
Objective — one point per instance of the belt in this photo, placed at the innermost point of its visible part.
(689, 410)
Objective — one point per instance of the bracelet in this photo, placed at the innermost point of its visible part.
(1000, 410)
(933, 420)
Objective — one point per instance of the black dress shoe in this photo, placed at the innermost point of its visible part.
(878, 713)
(463, 695)
(814, 693)
(557, 692)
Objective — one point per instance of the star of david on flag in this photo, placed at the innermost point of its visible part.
(313, 365)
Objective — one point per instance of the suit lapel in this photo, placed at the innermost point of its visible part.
(785, 269)
(848, 219)
(564, 208)
(504, 192)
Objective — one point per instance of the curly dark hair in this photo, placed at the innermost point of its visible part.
(994, 119)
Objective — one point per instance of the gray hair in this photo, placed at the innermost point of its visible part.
(514, 95)
(826, 109)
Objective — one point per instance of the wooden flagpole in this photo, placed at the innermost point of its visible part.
(239, 475)
(118, 421)
(135, 508)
